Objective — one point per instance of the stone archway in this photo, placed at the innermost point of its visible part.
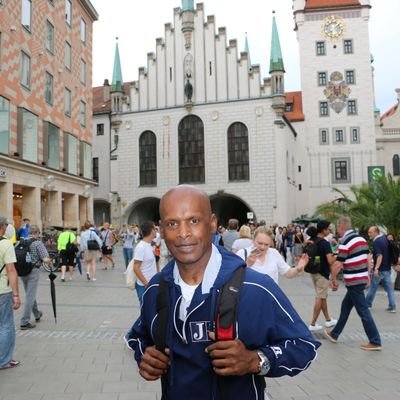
(226, 206)
(145, 209)
(101, 212)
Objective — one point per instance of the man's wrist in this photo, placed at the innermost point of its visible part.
(15, 295)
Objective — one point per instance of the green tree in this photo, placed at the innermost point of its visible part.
(374, 204)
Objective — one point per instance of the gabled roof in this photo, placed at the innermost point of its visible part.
(330, 3)
(99, 105)
(294, 99)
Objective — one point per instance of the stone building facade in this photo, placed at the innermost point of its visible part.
(45, 111)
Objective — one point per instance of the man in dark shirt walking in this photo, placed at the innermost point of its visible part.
(381, 272)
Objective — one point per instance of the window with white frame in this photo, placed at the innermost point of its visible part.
(348, 46)
(339, 135)
(27, 135)
(82, 113)
(68, 55)
(49, 38)
(86, 160)
(352, 107)
(25, 70)
(67, 102)
(320, 48)
(83, 31)
(71, 153)
(68, 12)
(4, 125)
(48, 88)
(26, 14)
(341, 170)
(396, 165)
(350, 77)
(52, 151)
(322, 78)
(323, 109)
(100, 129)
(82, 71)
(355, 134)
(324, 136)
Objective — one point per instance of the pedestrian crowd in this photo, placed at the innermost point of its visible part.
(213, 320)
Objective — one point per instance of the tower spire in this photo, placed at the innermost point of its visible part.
(117, 82)
(276, 60)
(247, 50)
(187, 5)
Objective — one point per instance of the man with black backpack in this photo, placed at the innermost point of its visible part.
(35, 256)
(323, 259)
(209, 327)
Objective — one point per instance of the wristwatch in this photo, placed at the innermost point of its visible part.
(264, 365)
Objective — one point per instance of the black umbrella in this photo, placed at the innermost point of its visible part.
(52, 277)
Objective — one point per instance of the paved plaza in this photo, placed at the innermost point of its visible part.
(83, 356)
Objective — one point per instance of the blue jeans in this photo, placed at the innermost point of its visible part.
(385, 278)
(128, 255)
(7, 328)
(139, 291)
(355, 298)
(30, 282)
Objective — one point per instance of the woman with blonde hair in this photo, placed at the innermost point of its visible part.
(263, 258)
(244, 239)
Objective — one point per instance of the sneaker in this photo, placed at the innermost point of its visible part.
(330, 323)
(391, 310)
(27, 326)
(93, 279)
(62, 279)
(88, 276)
(313, 328)
(371, 347)
(329, 336)
(11, 364)
(37, 319)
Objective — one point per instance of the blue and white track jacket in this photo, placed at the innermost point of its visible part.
(266, 321)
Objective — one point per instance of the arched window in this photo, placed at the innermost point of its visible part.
(396, 165)
(148, 159)
(191, 150)
(238, 152)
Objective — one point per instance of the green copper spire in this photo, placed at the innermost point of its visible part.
(187, 5)
(117, 82)
(276, 61)
(247, 50)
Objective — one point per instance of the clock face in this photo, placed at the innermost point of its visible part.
(333, 27)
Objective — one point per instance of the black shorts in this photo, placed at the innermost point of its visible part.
(105, 250)
(67, 258)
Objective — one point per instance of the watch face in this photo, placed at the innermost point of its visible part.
(333, 27)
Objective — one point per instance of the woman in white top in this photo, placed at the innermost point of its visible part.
(244, 239)
(262, 257)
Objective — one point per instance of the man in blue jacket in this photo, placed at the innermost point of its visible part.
(271, 339)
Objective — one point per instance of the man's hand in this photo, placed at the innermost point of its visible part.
(230, 357)
(334, 284)
(153, 364)
(17, 302)
(376, 272)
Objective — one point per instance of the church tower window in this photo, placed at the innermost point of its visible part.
(238, 152)
(148, 159)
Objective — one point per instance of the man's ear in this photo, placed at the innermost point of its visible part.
(214, 224)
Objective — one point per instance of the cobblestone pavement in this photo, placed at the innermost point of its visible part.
(83, 357)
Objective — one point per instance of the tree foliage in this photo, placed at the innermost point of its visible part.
(374, 204)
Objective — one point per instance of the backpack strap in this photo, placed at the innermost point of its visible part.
(227, 307)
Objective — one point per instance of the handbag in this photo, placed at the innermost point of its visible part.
(70, 247)
(92, 244)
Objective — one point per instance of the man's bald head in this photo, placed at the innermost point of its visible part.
(184, 193)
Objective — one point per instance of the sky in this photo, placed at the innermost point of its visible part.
(137, 24)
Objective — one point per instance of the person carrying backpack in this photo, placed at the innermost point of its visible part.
(322, 260)
(37, 254)
(67, 249)
(178, 336)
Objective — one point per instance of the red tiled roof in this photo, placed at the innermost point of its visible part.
(390, 112)
(330, 3)
(296, 101)
(99, 105)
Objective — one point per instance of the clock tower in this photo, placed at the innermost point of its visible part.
(337, 93)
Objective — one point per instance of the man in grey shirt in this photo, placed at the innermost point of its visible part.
(231, 234)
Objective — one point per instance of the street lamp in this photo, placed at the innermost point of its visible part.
(48, 186)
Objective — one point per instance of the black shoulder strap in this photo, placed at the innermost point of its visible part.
(227, 306)
(162, 312)
(1, 270)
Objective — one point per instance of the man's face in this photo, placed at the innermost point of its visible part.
(340, 230)
(372, 233)
(186, 225)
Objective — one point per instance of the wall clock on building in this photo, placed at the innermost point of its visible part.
(333, 27)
